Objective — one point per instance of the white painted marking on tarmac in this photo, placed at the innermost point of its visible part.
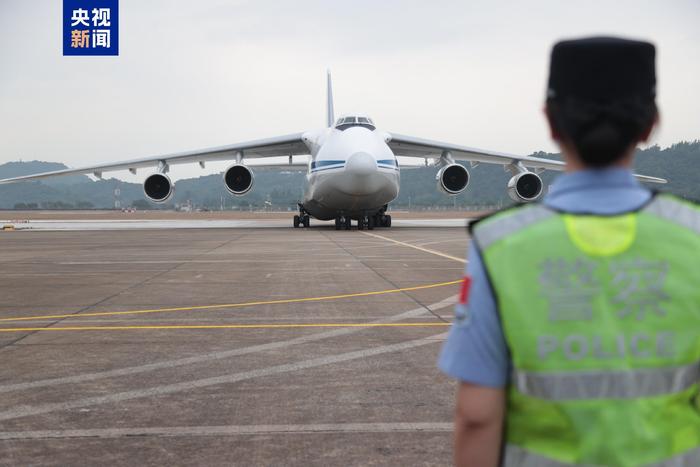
(415, 247)
(220, 354)
(252, 260)
(458, 222)
(170, 224)
(29, 410)
(232, 430)
(436, 242)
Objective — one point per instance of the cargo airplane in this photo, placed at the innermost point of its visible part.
(352, 168)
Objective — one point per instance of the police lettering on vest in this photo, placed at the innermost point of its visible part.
(641, 345)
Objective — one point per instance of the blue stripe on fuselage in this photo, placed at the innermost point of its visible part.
(323, 169)
(319, 164)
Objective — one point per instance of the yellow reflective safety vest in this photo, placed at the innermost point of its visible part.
(601, 315)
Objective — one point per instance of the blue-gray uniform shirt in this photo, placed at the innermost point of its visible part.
(475, 350)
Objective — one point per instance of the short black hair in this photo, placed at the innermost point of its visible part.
(601, 133)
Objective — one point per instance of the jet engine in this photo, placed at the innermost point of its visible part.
(238, 179)
(158, 188)
(453, 179)
(524, 187)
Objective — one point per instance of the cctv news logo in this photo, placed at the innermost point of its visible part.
(90, 27)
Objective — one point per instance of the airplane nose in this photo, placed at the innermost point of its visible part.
(361, 176)
(361, 163)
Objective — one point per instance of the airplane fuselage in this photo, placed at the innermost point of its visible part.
(352, 173)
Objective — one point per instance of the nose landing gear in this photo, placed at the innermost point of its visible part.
(342, 222)
(366, 222)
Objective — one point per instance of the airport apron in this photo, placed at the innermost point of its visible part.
(601, 315)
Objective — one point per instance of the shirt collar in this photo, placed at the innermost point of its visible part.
(593, 179)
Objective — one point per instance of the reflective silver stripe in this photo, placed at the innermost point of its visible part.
(630, 384)
(494, 230)
(689, 458)
(675, 211)
(515, 456)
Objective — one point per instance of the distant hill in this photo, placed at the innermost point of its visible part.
(677, 163)
(17, 169)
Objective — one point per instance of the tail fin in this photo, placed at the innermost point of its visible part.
(330, 117)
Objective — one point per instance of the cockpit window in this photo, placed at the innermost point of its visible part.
(346, 122)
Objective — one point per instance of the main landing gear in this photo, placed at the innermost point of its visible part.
(382, 219)
(303, 219)
(378, 220)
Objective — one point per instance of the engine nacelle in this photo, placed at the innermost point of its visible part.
(238, 179)
(524, 187)
(453, 179)
(158, 188)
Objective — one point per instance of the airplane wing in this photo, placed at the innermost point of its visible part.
(295, 163)
(410, 146)
(288, 145)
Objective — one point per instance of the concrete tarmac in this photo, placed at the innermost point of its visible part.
(255, 346)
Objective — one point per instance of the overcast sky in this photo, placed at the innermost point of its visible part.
(193, 74)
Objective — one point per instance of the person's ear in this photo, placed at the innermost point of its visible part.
(553, 132)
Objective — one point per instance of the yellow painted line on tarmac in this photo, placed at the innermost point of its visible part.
(229, 326)
(415, 247)
(232, 305)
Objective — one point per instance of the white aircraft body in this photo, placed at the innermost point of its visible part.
(352, 169)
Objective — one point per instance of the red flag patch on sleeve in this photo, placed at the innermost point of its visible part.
(464, 292)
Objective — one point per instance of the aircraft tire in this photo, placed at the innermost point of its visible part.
(306, 220)
(387, 221)
(370, 222)
(296, 222)
(348, 223)
(338, 222)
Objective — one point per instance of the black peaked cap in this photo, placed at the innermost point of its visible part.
(602, 69)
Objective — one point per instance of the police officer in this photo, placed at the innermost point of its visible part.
(577, 339)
